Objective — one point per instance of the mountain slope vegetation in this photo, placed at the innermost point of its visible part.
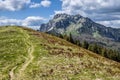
(83, 29)
(26, 54)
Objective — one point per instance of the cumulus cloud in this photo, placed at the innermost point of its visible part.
(31, 21)
(34, 5)
(13, 5)
(112, 23)
(98, 10)
(90, 6)
(45, 3)
(6, 21)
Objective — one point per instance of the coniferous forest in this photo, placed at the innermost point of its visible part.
(94, 47)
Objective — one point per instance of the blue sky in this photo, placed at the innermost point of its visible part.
(37, 11)
(32, 13)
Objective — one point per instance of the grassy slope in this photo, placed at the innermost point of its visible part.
(29, 55)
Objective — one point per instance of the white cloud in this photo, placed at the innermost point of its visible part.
(35, 5)
(13, 5)
(76, 6)
(6, 21)
(31, 21)
(112, 23)
(45, 3)
(98, 10)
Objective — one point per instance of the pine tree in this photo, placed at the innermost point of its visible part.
(71, 38)
(85, 45)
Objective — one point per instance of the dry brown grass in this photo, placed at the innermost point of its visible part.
(57, 59)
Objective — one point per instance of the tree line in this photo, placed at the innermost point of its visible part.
(94, 47)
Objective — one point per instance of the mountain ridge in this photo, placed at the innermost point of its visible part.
(83, 28)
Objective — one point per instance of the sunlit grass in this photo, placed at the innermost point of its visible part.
(54, 58)
(13, 49)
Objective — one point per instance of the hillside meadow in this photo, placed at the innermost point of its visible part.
(26, 54)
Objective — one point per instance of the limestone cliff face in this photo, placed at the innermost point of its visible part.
(83, 28)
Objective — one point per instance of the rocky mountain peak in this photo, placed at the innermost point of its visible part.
(67, 16)
(83, 29)
(61, 16)
(77, 25)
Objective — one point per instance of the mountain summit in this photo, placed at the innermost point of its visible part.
(83, 29)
